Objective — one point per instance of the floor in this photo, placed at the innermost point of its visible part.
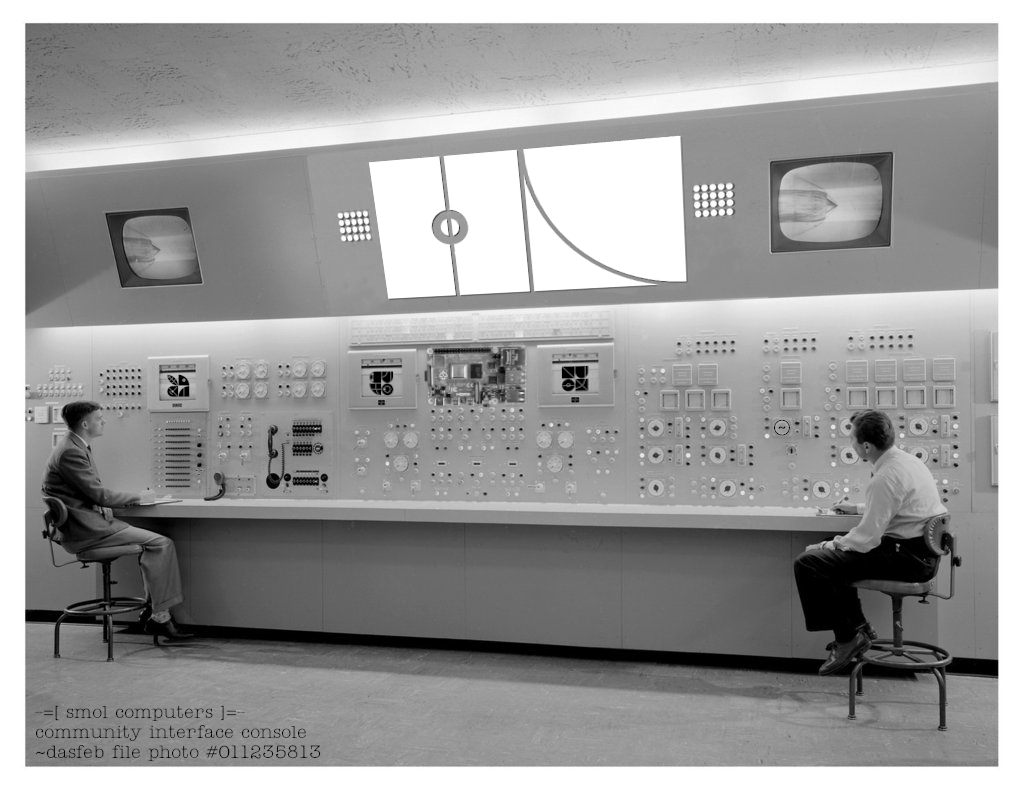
(381, 706)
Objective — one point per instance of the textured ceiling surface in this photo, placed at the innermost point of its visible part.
(103, 86)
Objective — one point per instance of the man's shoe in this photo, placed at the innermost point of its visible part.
(867, 629)
(842, 654)
(168, 629)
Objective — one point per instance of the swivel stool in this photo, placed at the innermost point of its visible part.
(106, 607)
(910, 655)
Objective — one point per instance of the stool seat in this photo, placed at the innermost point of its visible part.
(100, 554)
(895, 586)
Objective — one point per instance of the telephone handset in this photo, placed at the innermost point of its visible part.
(273, 479)
(218, 478)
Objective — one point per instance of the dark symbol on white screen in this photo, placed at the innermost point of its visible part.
(380, 382)
(178, 387)
(575, 378)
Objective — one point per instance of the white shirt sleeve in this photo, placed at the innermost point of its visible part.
(881, 502)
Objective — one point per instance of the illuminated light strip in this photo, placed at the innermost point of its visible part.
(609, 109)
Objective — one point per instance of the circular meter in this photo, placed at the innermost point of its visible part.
(299, 368)
(411, 439)
(318, 389)
(565, 439)
(391, 439)
(401, 463)
(242, 390)
(318, 368)
(243, 370)
(555, 463)
(299, 389)
(260, 390)
(262, 369)
(543, 439)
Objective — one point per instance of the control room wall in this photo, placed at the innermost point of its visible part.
(266, 226)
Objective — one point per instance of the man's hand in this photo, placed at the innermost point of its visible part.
(845, 508)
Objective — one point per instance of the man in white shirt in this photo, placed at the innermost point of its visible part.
(887, 543)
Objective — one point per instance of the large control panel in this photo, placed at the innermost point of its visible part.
(739, 402)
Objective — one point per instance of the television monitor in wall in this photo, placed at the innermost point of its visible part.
(155, 247)
(831, 203)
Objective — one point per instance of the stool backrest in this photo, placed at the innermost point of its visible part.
(55, 516)
(939, 539)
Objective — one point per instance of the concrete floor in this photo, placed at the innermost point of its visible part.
(385, 706)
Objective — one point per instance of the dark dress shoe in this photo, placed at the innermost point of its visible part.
(842, 654)
(168, 629)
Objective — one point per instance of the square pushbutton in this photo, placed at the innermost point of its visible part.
(885, 397)
(915, 398)
(670, 400)
(694, 400)
(944, 396)
(721, 400)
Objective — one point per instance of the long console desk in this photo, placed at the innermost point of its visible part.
(740, 517)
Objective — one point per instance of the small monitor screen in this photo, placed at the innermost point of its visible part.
(831, 203)
(178, 382)
(154, 248)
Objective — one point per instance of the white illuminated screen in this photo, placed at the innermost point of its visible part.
(382, 383)
(178, 382)
(408, 194)
(602, 215)
(484, 188)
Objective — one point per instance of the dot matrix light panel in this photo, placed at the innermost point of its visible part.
(718, 403)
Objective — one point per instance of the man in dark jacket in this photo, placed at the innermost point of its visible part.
(71, 477)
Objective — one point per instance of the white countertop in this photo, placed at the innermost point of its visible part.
(737, 517)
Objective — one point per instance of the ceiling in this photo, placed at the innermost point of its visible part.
(98, 87)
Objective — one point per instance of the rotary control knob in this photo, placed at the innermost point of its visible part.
(727, 488)
(299, 389)
(717, 427)
(411, 439)
(401, 463)
(391, 439)
(717, 455)
(656, 427)
(555, 463)
(848, 456)
(565, 439)
(543, 439)
(918, 426)
(318, 389)
(300, 368)
(822, 489)
(243, 370)
(782, 427)
(318, 368)
(656, 455)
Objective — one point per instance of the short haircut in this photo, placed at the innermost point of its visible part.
(77, 411)
(874, 427)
